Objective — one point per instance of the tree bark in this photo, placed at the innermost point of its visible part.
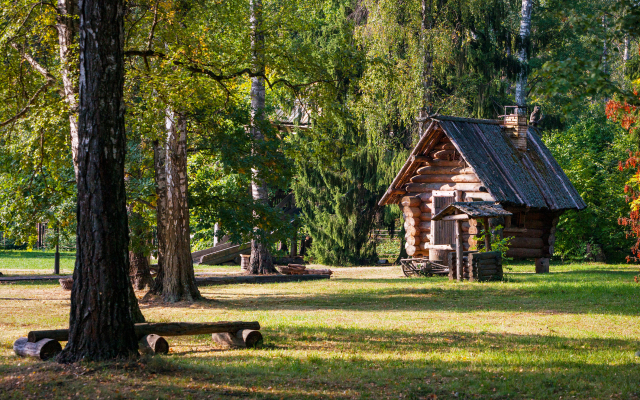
(159, 156)
(427, 59)
(178, 277)
(140, 271)
(261, 261)
(100, 324)
(523, 57)
(67, 26)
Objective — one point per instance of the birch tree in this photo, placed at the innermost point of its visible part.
(524, 40)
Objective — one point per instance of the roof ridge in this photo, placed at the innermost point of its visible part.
(470, 120)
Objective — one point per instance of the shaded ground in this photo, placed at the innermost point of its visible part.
(368, 333)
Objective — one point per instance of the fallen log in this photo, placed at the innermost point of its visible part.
(159, 328)
(318, 272)
(255, 279)
(297, 266)
(291, 271)
(243, 339)
(43, 349)
(153, 344)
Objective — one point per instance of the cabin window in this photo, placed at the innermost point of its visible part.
(517, 220)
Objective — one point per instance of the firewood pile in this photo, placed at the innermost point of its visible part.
(299, 269)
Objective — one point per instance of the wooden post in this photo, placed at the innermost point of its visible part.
(487, 234)
(459, 249)
(294, 243)
(56, 260)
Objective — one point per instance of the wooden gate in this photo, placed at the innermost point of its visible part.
(442, 232)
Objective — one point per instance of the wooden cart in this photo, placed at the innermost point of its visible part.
(422, 267)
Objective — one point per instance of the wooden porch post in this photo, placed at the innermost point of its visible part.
(459, 249)
(487, 234)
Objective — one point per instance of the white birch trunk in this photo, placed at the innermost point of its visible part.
(178, 278)
(67, 26)
(261, 261)
(523, 57)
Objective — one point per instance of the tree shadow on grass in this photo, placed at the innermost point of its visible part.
(605, 293)
(360, 363)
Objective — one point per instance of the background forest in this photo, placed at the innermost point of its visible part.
(344, 82)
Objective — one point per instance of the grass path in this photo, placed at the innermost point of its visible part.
(369, 333)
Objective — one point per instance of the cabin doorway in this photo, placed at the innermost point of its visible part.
(442, 232)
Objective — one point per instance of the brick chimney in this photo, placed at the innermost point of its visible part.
(516, 125)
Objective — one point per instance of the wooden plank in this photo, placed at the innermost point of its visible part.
(457, 217)
(438, 247)
(459, 249)
(444, 193)
(487, 234)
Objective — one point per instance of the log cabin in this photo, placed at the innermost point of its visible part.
(503, 161)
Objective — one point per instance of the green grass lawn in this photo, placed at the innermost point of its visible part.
(368, 333)
(16, 262)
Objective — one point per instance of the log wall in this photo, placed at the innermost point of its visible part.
(445, 170)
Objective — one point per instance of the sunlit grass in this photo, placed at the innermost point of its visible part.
(367, 333)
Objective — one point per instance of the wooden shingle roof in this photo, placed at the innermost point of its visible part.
(474, 209)
(530, 178)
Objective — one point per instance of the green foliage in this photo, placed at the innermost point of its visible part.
(498, 243)
(589, 151)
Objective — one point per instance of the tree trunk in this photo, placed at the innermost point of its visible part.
(427, 59)
(159, 155)
(261, 261)
(523, 57)
(178, 278)
(140, 272)
(100, 324)
(67, 26)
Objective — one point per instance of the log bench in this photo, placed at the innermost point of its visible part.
(44, 344)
